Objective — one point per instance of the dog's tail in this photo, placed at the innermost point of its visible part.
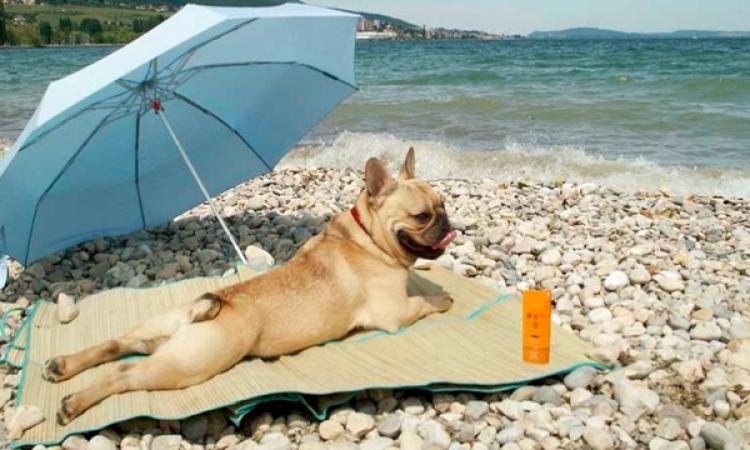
(205, 307)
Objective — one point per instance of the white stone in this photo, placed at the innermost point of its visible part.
(100, 442)
(66, 308)
(669, 281)
(434, 435)
(257, 258)
(616, 281)
(23, 418)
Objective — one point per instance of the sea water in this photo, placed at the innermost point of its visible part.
(631, 114)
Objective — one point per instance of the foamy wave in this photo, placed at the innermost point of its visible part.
(515, 162)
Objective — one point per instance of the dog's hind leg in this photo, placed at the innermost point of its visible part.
(143, 339)
(194, 354)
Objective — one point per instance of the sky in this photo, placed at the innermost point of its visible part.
(525, 16)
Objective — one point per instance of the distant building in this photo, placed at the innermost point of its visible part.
(375, 35)
(19, 20)
(370, 25)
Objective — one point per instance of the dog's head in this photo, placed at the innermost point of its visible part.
(407, 214)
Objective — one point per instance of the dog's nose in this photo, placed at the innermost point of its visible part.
(444, 223)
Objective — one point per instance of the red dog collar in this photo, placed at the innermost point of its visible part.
(355, 216)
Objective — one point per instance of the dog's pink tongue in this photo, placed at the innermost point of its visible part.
(447, 239)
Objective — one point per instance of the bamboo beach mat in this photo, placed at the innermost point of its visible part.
(474, 346)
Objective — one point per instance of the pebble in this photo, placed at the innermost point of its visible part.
(66, 308)
(706, 331)
(669, 429)
(23, 418)
(598, 439)
(580, 378)
(330, 430)
(275, 441)
(166, 442)
(547, 394)
(100, 442)
(434, 436)
(717, 437)
(669, 281)
(475, 410)
(359, 424)
(78, 442)
(509, 434)
(390, 426)
(616, 281)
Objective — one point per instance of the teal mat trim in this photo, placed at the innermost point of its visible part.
(12, 343)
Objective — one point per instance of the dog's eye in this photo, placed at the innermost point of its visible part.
(422, 217)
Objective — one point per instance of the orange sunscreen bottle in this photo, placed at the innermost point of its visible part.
(537, 318)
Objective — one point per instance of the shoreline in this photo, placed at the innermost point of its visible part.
(659, 284)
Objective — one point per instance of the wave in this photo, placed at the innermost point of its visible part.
(520, 162)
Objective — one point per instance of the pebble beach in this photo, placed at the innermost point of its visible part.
(660, 284)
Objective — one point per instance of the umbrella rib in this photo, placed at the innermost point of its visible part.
(189, 52)
(69, 118)
(271, 63)
(207, 112)
(137, 167)
(67, 165)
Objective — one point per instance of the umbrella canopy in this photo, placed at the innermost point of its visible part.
(240, 86)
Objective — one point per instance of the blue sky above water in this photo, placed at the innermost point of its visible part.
(525, 16)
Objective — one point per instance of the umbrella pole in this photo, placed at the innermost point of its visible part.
(160, 112)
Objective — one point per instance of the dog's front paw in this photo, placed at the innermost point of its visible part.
(67, 411)
(53, 369)
(443, 302)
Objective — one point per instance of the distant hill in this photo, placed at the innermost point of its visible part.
(599, 33)
(176, 3)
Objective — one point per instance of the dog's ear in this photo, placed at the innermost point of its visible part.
(376, 177)
(407, 170)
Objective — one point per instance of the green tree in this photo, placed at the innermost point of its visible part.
(91, 26)
(3, 31)
(45, 33)
(66, 26)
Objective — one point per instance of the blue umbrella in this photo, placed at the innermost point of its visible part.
(206, 100)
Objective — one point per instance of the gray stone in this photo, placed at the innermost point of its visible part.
(195, 428)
